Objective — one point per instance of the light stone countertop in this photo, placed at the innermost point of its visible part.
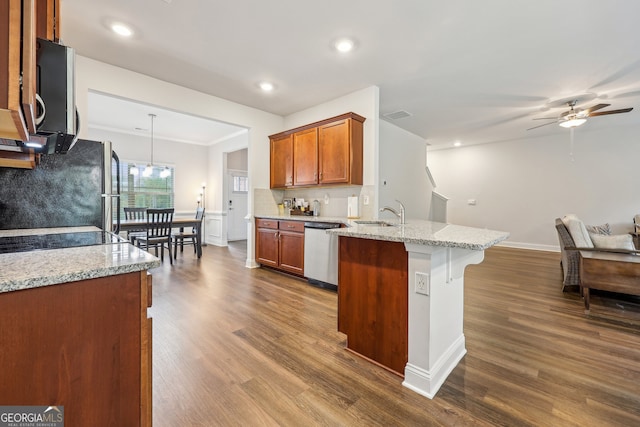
(426, 233)
(415, 231)
(25, 270)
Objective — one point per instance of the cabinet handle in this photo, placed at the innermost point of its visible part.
(290, 226)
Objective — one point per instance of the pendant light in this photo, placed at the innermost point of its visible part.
(149, 169)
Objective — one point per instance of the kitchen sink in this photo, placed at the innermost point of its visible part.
(376, 223)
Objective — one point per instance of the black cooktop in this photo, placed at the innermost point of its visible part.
(56, 241)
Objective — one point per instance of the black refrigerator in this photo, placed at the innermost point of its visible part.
(78, 188)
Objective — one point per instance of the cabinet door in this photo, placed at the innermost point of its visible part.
(305, 157)
(340, 152)
(282, 162)
(292, 252)
(267, 246)
(12, 124)
(334, 152)
(48, 20)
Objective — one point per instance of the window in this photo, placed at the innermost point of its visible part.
(240, 184)
(153, 191)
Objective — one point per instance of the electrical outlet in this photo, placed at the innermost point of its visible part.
(365, 200)
(422, 283)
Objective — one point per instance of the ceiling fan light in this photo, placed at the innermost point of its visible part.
(573, 123)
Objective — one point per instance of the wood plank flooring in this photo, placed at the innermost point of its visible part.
(251, 347)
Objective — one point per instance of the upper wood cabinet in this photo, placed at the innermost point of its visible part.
(305, 157)
(328, 152)
(340, 152)
(21, 21)
(17, 66)
(48, 20)
(282, 157)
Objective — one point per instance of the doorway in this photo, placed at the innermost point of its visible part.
(237, 195)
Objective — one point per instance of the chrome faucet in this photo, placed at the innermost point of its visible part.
(395, 212)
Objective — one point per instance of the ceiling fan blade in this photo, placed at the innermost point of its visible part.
(605, 113)
(539, 126)
(594, 108)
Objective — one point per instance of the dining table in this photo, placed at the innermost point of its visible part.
(138, 224)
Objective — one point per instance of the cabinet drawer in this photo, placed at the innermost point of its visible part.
(297, 226)
(266, 223)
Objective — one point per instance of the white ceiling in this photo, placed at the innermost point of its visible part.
(126, 116)
(473, 71)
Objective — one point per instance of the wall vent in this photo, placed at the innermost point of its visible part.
(400, 114)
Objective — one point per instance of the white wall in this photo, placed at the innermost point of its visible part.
(522, 186)
(364, 102)
(189, 161)
(402, 174)
(238, 160)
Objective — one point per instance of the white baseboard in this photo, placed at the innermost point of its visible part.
(531, 246)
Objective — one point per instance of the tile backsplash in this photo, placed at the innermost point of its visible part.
(266, 201)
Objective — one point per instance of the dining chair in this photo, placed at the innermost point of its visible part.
(158, 232)
(192, 236)
(135, 214)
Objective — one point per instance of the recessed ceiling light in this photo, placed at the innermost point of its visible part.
(344, 45)
(121, 29)
(457, 144)
(266, 86)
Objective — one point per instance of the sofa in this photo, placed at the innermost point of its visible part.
(574, 236)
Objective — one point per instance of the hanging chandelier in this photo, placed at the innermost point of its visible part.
(149, 169)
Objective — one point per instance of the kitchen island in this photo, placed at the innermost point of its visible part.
(74, 330)
(400, 295)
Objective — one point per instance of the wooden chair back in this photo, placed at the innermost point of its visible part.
(159, 222)
(135, 213)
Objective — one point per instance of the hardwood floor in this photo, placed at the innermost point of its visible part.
(251, 347)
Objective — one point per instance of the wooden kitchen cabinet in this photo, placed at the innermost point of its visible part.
(373, 300)
(280, 244)
(328, 152)
(291, 246)
(48, 20)
(21, 22)
(17, 69)
(305, 157)
(282, 161)
(267, 242)
(84, 345)
(340, 152)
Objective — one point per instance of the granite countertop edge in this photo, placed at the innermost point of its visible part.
(33, 269)
(419, 232)
(37, 282)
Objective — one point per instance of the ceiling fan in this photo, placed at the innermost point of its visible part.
(576, 117)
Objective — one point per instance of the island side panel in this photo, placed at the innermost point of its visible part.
(372, 299)
(76, 345)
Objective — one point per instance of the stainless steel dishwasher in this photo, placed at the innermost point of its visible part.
(321, 254)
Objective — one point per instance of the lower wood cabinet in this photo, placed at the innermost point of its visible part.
(280, 244)
(373, 300)
(83, 345)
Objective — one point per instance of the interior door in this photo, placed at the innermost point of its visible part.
(237, 206)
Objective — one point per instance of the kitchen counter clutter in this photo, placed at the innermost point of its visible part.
(25, 270)
(76, 321)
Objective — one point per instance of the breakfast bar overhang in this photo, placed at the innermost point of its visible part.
(436, 256)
